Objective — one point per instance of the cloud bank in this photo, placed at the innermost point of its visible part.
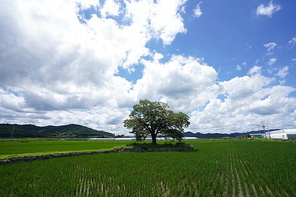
(60, 63)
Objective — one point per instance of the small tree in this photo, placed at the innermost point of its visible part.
(153, 118)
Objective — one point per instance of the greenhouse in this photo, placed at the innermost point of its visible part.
(284, 134)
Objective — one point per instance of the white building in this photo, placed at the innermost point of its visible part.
(257, 135)
(284, 134)
(190, 138)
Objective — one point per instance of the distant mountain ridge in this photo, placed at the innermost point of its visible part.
(65, 131)
(223, 135)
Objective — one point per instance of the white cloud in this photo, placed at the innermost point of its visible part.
(161, 19)
(270, 46)
(247, 101)
(56, 59)
(85, 4)
(268, 10)
(11, 102)
(283, 72)
(110, 8)
(271, 61)
(59, 67)
(276, 101)
(255, 70)
(292, 42)
(181, 82)
(197, 11)
(240, 88)
(238, 67)
(282, 82)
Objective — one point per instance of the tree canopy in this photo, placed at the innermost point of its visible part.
(152, 118)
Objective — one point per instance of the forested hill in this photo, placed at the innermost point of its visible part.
(65, 131)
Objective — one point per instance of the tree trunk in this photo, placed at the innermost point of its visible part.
(153, 136)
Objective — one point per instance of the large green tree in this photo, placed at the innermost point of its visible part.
(152, 118)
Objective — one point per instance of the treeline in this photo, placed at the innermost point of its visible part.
(65, 131)
(213, 135)
(224, 135)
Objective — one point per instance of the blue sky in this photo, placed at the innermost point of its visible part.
(230, 36)
(229, 64)
(229, 33)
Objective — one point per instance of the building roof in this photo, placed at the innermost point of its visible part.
(287, 131)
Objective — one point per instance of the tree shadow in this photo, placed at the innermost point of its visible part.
(160, 145)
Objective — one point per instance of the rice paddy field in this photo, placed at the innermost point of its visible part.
(32, 147)
(216, 168)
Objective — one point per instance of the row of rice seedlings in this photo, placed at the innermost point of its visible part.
(279, 171)
(245, 176)
(260, 167)
(247, 179)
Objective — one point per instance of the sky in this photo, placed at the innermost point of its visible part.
(229, 65)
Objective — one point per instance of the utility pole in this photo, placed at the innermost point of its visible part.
(268, 131)
(263, 126)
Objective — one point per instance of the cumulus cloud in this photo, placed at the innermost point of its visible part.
(161, 20)
(60, 66)
(185, 83)
(268, 10)
(11, 101)
(244, 102)
(275, 102)
(197, 11)
(110, 8)
(239, 88)
(58, 59)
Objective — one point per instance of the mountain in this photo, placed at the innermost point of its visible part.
(223, 135)
(65, 131)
